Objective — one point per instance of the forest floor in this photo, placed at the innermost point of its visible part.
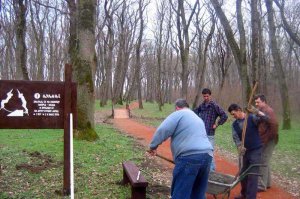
(226, 163)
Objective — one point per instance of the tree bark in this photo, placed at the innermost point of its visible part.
(20, 7)
(255, 39)
(83, 56)
(278, 67)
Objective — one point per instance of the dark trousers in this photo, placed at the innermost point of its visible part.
(250, 182)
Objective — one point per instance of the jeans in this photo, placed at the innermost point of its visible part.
(250, 182)
(190, 176)
(211, 139)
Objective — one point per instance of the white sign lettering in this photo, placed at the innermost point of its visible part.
(46, 104)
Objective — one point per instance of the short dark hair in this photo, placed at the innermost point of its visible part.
(206, 91)
(234, 107)
(181, 103)
(262, 97)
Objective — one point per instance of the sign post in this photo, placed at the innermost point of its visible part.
(41, 105)
(67, 112)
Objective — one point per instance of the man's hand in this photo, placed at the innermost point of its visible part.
(252, 109)
(152, 152)
(241, 150)
(215, 126)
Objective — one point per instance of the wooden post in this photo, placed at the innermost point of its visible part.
(67, 111)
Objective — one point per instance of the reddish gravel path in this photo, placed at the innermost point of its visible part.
(144, 134)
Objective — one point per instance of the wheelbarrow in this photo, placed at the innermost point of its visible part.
(219, 183)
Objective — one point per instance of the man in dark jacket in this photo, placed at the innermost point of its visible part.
(209, 111)
(251, 150)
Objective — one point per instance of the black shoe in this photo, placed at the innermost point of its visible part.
(261, 190)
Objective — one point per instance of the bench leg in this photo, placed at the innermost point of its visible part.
(125, 178)
(138, 192)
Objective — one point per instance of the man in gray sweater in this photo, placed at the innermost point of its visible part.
(191, 150)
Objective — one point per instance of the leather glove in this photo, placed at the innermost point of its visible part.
(241, 150)
(252, 109)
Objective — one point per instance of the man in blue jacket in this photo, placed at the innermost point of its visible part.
(191, 150)
(252, 148)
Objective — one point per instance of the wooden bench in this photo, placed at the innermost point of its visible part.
(132, 175)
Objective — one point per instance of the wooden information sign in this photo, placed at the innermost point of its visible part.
(41, 105)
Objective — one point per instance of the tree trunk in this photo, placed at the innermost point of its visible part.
(255, 39)
(184, 42)
(262, 65)
(83, 58)
(202, 59)
(20, 7)
(278, 67)
(239, 53)
(38, 32)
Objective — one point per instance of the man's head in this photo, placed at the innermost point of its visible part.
(236, 111)
(260, 101)
(180, 104)
(206, 93)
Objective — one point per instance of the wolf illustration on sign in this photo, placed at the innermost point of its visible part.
(24, 102)
(15, 113)
(5, 101)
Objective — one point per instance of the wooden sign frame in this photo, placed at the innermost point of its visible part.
(41, 105)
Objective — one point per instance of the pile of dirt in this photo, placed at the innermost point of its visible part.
(158, 176)
(38, 162)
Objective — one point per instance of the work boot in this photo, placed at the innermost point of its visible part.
(261, 190)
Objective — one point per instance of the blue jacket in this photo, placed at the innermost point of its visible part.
(187, 132)
(252, 139)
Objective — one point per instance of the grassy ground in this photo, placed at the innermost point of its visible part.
(106, 107)
(97, 165)
(285, 160)
(151, 115)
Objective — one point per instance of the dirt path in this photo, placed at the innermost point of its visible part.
(144, 134)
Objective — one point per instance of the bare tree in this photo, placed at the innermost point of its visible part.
(37, 24)
(126, 29)
(286, 25)
(136, 81)
(7, 44)
(142, 7)
(239, 52)
(183, 25)
(221, 57)
(107, 39)
(20, 8)
(262, 66)
(278, 66)
(202, 53)
(55, 47)
(159, 43)
(254, 39)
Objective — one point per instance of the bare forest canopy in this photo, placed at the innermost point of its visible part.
(159, 50)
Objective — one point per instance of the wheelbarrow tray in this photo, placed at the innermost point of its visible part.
(219, 183)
